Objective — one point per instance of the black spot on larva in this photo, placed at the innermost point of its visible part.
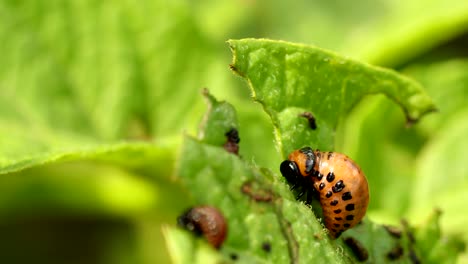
(328, 194)
(337, 211)
(349, 217)
(320, 176)
(346, 196)
(321, 186)
(336, 225)
(395, 253)
(346, 225)
(339, 186)
(349, 207)
(315, 173)
(333, 230)
(330, 154)
(338, 218)
(330, 176)
(266, 246)
(357, 248)
(334, 202)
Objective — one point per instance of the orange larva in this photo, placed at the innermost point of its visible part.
(206, 221)
(341, 184)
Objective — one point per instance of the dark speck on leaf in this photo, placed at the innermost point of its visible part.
(310, 118)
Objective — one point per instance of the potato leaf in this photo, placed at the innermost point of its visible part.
(289, 79)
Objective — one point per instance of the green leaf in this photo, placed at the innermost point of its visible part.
(84, 83)
(261, 210)
(258, 207)
(435, 247)
(444, 155)
(220, 117)
(286, 225)
(447, 82)
(288, 79)
(377, 242)
(80, 78)
(408, 29)
(183, 248)
(86, 73)
(120, 179)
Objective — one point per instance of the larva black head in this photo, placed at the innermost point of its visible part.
(300, 163)
(299, 171)
(290, 171)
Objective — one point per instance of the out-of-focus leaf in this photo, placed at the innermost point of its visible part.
(86, 189)
(433, 245)
(447, 83)
(442, 174)
(129, 182)
(183, 248)
(58, 239)
(382, 32)
(149, 155)
(441, 160)
(408, 29)
(289, 79)
(109, 77)
(120, 179)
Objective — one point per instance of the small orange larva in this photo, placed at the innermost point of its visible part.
(342, 186)
(207, 221)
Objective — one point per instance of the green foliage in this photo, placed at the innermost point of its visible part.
(291, 79)
(96, 96)
(253, 200)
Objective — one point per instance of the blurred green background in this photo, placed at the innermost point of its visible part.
(96, 95)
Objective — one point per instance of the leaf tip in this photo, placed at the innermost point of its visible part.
(233, 66)
(412, 119)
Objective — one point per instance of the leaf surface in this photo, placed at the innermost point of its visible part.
(289, 79)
